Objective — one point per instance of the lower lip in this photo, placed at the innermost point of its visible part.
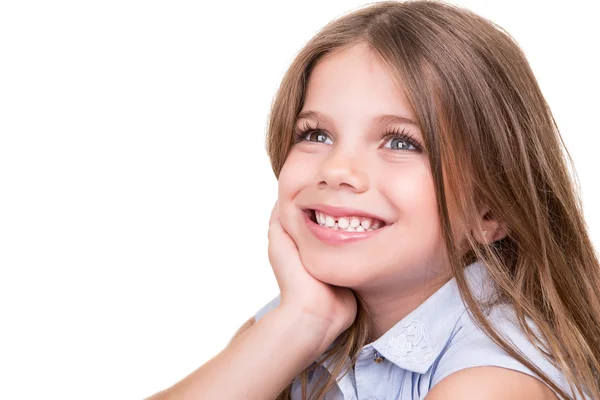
(333, 237)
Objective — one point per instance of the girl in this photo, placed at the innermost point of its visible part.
(427, 239)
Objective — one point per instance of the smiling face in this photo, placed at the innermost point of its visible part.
(358, 148)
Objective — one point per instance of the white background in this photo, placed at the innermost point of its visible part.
(135, 190)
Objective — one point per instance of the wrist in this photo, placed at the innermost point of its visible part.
(313, 332)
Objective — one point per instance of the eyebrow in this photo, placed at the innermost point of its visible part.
(384, 119)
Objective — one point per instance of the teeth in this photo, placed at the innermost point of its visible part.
(343, 223)
(329, 221)
(320, 218)
(349, 224)
(366, 223)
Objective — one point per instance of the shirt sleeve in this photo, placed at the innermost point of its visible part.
(266, 308)
(471, 347)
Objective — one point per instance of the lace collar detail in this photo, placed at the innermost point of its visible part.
(417, 340)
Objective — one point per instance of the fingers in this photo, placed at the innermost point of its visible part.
(274, 224)
(283, 253)
(276, 230)
(274, 213)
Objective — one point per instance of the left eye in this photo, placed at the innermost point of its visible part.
(398, 143)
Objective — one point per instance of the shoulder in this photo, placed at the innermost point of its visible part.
(490, 383)
(473, 362)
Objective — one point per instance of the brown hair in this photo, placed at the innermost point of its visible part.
(491, 140)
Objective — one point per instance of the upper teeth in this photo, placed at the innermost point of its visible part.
(351, 224)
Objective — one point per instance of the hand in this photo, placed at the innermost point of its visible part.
(332, 305)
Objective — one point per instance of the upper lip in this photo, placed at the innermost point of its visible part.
(344, 212)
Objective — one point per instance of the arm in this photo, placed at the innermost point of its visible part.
(264, 357)
(490, 383)
(247, 325)
(260, 361)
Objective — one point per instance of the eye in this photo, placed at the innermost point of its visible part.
(399, 144)
(401, 141)
(309, 134)
(316, 136)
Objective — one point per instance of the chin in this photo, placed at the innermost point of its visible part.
(332, 270)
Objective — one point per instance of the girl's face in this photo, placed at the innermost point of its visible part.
(345, 157)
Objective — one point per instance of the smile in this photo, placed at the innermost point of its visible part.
(347, 223)
(340, 230)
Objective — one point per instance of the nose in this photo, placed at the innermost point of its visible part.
(344, 169)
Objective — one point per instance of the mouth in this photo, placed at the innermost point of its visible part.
(346, 223)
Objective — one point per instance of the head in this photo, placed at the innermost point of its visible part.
(429, 118)
(357, 144)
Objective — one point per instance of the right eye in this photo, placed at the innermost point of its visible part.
(308, 133)
(314, 135)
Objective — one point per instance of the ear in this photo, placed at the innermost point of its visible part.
(492, 229)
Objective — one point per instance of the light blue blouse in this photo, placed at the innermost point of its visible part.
(435, 340)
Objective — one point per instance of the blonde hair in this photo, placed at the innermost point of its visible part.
(491, 140)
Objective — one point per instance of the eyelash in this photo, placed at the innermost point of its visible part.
(395, 133)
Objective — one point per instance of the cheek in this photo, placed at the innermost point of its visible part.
(293, 178)
(289, 181)
(412, 194)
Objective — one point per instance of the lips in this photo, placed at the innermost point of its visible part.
(347, 212)
(333, 235)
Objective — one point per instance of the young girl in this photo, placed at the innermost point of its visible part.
(427, 239)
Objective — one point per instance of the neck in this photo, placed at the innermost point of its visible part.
(389, 305)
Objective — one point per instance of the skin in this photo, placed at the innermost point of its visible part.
(344, 160)
(351, 164)
(394, 271)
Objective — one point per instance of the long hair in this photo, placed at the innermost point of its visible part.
(491, 140)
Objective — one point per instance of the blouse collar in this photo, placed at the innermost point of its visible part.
(416, 341)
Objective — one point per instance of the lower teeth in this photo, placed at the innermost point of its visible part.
(349, 229)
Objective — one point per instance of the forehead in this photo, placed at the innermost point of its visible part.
(354, 81)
